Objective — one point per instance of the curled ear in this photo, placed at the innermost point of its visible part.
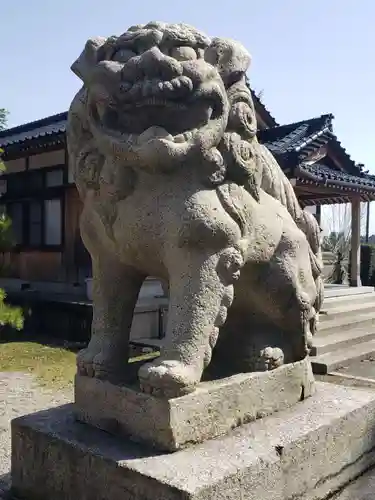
(230, 58)
(89, 57)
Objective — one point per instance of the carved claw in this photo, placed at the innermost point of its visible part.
(98, 362)
(85, 362)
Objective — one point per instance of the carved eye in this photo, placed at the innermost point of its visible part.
(123, 55)
(183, 53)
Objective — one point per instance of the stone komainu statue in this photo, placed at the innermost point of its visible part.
(162, 142)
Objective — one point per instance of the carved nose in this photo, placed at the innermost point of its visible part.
(155, 64)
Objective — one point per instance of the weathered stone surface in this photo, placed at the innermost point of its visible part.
(162, 143)
(361, 489)
(212, 410)
(305, 453)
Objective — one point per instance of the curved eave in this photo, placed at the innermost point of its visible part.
(34, 144)
(354, 185)
(334, 200)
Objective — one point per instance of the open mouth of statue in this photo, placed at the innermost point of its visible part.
(159, 110)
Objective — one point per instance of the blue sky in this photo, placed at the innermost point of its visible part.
(309, 58)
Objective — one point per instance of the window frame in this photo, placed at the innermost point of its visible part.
(40, 196)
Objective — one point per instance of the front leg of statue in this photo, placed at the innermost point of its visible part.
(115, 292)
(201, 290)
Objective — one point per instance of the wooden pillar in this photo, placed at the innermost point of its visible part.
(318, 214)
(355, 278)
(368, 222)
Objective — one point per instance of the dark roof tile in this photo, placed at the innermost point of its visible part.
(49, 126)
(294, 136)
(323, 173)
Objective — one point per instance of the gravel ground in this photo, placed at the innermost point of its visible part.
(19, 395)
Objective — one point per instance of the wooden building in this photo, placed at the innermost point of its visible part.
(322, 172)
(42, 201)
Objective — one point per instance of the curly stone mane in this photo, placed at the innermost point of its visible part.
(248, 163)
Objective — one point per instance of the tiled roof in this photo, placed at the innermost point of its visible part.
(323, 174)
(50, 126)
(295, 136)
(291, 144)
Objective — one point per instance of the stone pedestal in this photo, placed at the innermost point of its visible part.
(212, 410)
(304, 452)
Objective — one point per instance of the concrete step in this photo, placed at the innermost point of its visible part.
(326, 363)
(344, 323)
(345, 291)
(334, 341)
(332, 303)
(348, 310)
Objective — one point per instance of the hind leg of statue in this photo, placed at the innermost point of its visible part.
(289, 283)
(115, 292)
(201, 290)
(248, 342)
(273, 318)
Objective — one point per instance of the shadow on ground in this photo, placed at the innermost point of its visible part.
(8, 336)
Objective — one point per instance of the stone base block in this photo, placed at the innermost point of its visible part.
(212, 410)
(305, 453)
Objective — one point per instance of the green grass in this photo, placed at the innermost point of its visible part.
(51, 366)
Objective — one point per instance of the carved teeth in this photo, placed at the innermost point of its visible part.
(136, 91)
(179, 138)
(176, 83)
(146, 88)
(168, 86)
(155, 87)
(186, 82)
(154, 101)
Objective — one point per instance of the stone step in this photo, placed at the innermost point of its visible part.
(326, 363)
(343, 291)
(348, 310)
(332, 303)
(344, 323)
(360, 489)
(334, 341)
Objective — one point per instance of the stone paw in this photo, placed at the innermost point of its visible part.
(271, 358)
(106, 364)
(85, 361)
(167, 379)
(96, 362)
